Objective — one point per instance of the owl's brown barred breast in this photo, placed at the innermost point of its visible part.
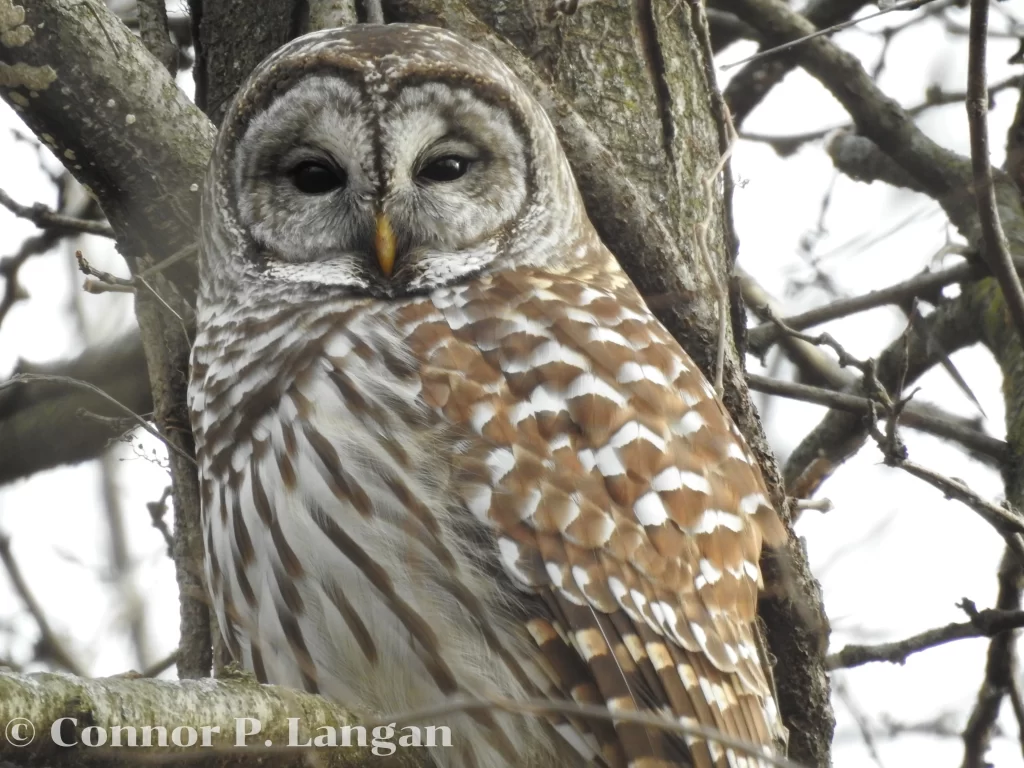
(475, 464)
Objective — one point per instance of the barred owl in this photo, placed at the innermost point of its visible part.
(445, 449)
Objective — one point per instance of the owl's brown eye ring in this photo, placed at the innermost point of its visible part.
(313, 178)
(445, 168)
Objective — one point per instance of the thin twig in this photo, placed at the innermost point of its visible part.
(45, 218)
(815, 365)
(158, 667)
(760, 339)
(1008, 522)
(118, 424)
(996, 250)
(106, 281)
(906, 5)
(50, 646)
(1001, 666)
(157, 510)
(987, 623)
(977, 441)
(109, 282)
(844, 358)
(817, 505)
(189, 251)
(29, 378)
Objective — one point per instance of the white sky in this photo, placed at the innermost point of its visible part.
(894, 557)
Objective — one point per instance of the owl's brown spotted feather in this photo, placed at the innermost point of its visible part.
(623, 455)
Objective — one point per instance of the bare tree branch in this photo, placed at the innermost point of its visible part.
(976, 441)
(760, 339)
(34, 420)
(49, 647)
(31, 378)
(752, 83)
(840, 435)
(1000, 668)
(987, 623)
(786, 144)
(44, 218)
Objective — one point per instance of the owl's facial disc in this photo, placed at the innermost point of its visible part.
(384, 197)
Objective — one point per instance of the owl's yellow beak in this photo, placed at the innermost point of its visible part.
(384, 244)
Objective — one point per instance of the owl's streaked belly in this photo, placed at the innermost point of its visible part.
(331, 552)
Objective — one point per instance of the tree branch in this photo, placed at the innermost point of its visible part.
(44, 218)
(987, 623)
(223, 704)
(1000, 668)
(34, 421)
(818, 368)
(760, 339)
(49, 647)
(840, 435)
(976, 441)
(751, 84)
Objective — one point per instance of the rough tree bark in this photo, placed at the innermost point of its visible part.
(630, 89)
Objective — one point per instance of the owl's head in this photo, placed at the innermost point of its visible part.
(385, 160)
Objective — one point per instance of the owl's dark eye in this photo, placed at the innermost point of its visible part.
(447, 168)
(314, 178)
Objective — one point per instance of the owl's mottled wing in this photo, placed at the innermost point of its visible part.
(620, 492)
